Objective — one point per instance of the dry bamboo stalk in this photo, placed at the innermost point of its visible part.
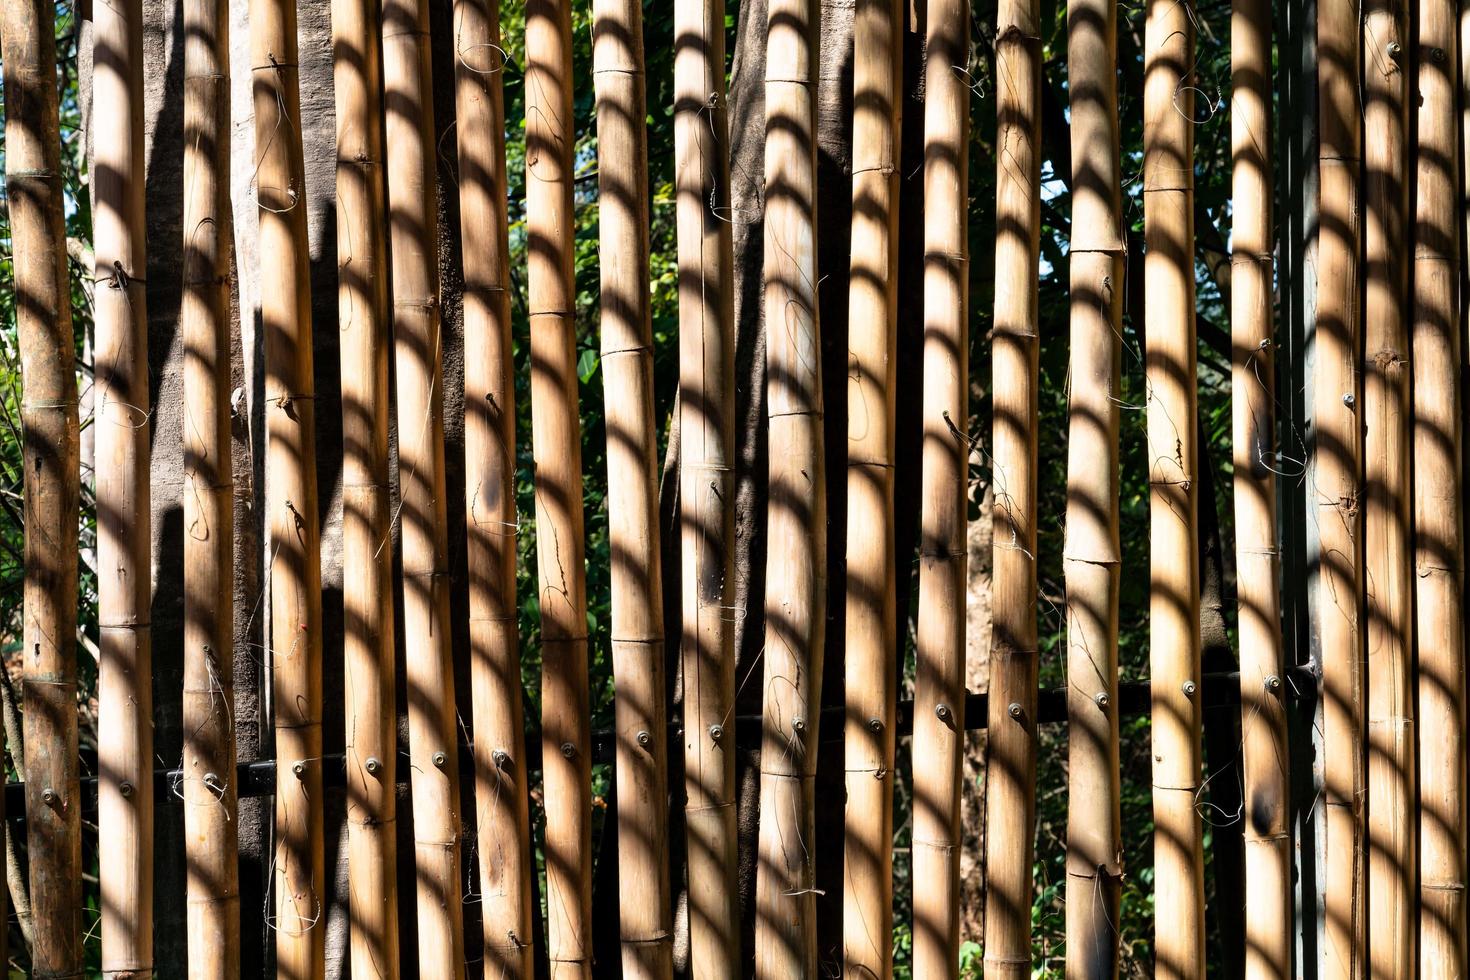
(706, 483)
(52, 481)
(645, 913)
(433, 742)
(556, 437)
(939, 680)
(210, 812)
(1388, 559)
(871, 667)
(796, 564)
(291, 494)
(1338, 485)
(1010, 788)
(1174, 637)
(1267, 832)
(367, 552)
(1092, 557)
(124, 581)
(1438, 524)
(495, 669)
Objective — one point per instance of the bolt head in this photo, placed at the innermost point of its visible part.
(568, 750)
(372, 765)
(439, 758)
(941, 711)
(299, 769)
(798, 724)
(1014, 709)
(501, 758)
(49, 796)
(645, 739)
(1273, 683)
(875, 725)
(126, 789)
(1189, 687)
(716, 732)
(1101, 699)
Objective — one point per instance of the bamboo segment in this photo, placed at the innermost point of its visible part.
(1338, 493)
(706, 483)
(291, 494)
(367, 551)
(1010, 782)
(796, 565)
(211, 840)
(556, 437)
(1267, 832)
(124, 581)
(1388, 560)
(637, 596)
(1092, 557)
(939, 680)
(52, 469)
(872, 642)
(645, 911)
(501, 771)
(1438, 523)
(1174, 635)
(433, 742)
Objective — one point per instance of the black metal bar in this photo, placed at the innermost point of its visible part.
(258, 778)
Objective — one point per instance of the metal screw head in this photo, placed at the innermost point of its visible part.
(1437, 54)
(372, 765)
(126, 789)
(211, 780)
(501, 758)
(299, 769)
(1394, 49)
(1348, 399)
(798, 725)
(875, 725)
(941, 711)
(645, 739)
(1273, 683)
(1014, 709)
(439, 758)
(49, 796)
(568, 750)
(1101, 699)
(716, 732)
(1189, 687)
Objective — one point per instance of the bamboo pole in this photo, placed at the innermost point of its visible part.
(1438, 523)
(291, 494)
(501, 771)
(871, 667)
(556, 437)
(433, 738)
(211, 815)
(1010, 781)
(645, 912)
(370, 714)
(706, 483)
(1388, 560)
(1338, 496)
(1174, 637)
(124, 584)
(1267, 831)
(796, 565)
(939, 680)
(52, 476)
(1092, 555)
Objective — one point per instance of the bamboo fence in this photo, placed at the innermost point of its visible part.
(1383, 351)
